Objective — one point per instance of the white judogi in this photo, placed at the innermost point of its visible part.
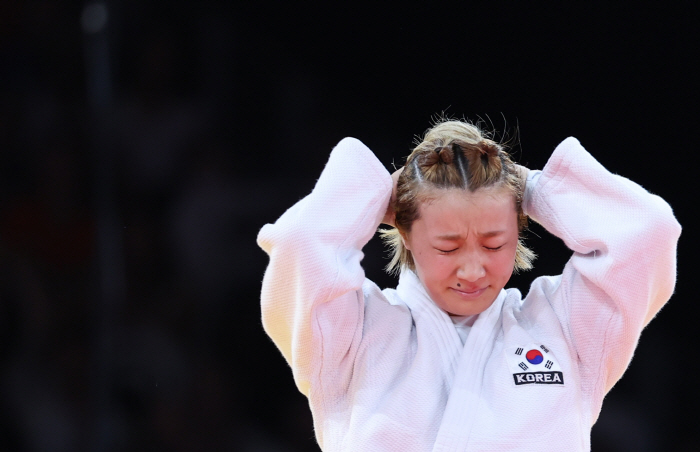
(386, 370)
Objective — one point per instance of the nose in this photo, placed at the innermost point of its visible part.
(471, 269)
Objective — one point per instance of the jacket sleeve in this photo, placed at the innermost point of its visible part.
(623, 268)
(315, 253)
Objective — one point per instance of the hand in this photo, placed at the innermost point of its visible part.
(390, 215)
(524, 172)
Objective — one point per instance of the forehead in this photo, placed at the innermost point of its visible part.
(494, 195)
(453, 210)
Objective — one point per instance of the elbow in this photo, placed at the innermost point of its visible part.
(663, 224)
(660, 242)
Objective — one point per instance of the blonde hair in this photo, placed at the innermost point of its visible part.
(452, 154)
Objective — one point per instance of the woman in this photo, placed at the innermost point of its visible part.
(450, 360)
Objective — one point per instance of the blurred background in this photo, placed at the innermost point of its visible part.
(145, 143)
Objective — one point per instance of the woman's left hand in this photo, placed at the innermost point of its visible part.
(390, 215)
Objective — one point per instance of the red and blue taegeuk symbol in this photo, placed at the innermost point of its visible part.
(534, 356)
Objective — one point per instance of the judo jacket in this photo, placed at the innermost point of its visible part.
(385, 370)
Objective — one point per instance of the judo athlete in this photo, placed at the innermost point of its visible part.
(449, 360)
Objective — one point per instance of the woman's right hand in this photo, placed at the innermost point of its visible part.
(523, 172)
(390, 215)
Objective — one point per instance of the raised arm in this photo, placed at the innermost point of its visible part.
(623, 268)
(315, 252)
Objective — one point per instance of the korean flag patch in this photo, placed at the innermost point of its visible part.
(534, 364)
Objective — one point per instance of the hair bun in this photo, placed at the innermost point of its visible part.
(445, 154)
(488, 147)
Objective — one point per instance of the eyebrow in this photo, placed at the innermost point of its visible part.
(458, 236)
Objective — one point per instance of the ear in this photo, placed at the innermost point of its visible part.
(405, 241)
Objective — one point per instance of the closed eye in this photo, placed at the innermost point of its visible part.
(445, 251)
(494, 249)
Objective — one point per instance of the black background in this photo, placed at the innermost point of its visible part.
(140, 160)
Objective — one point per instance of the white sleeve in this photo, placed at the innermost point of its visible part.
(315, 249)
(623, 268)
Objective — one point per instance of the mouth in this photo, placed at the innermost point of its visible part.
(469, 294)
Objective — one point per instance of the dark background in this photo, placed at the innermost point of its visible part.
(140, 158)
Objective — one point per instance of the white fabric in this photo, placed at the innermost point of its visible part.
(386, 370)
(463, 323)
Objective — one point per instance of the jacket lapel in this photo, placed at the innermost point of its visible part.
(433, 325)
(460, 412)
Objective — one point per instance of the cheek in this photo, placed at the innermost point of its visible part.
(433, 267)
(503, 263)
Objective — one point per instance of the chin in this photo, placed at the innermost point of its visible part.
(461, 307)
(464, 312)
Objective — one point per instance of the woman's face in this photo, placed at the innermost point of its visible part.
(463, 246)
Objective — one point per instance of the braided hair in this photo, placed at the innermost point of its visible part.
(452, 154)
